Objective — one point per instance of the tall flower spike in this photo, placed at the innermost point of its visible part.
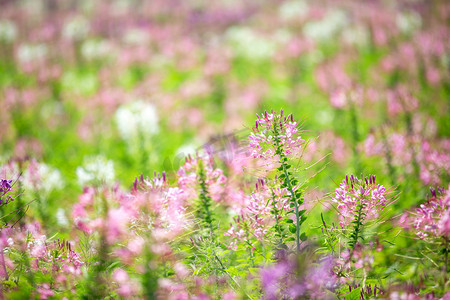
(278, 139)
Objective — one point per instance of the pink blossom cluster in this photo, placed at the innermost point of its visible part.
(292, 278)
(56, 259)
(404, 151)
(254, 221)
(188, 178)
(432, 218)
(434, 162)
(273, 130)
(353, 193)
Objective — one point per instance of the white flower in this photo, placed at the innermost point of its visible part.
(8, 31)
(250, 44)
(95, 49)
(48, 179)
(31, 52)
(408, 22)
(291, 10)
(356, 35)
(96, 170)
(137, 119)
(331, 24)
(61, 218)
(136, 36)
(76, 29)
(185, 150)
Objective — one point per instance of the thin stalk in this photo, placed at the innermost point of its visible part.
(297, 217)
(277, 220)
(205, 199)
(356, 230)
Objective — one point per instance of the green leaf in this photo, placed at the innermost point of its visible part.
(292, 228)
(303, 219)
(289, 221)
(303, 237)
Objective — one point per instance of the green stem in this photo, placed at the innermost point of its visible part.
(297, 217)
(287, 180)
(277, 220)
(205, 199)
(356, 230)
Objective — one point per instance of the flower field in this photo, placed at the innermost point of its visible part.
(260, 149)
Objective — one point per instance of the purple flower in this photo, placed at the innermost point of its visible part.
(294, 277)
(5, 186)
(5, 189)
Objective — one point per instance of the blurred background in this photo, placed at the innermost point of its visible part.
(102, 91)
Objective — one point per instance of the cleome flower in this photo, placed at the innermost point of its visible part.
(432, 218)
(358, 196)
(272, 130)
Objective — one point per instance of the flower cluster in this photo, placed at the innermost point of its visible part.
(5, 189)
(274, 130)
(298, 278)
(432, 219)
(359, 196)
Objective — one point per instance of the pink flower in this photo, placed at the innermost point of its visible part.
(432, 218)
(127, 288)
(352, 194)
(272, 130)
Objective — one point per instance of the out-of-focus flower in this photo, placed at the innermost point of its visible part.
(61, 217)
(95, 49)
(323, 30)
(408, 22)
(136, 119)
(293, 10)
(5, 189)
(432, 218)
(96, 170)
(294, 278)
(249, 44)
(28, 53)
(8, 31)
(42, 178)
(76, 28)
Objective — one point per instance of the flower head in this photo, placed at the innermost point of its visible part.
(432, 218)
(274, 130)
(356, 193)
(5, 189)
